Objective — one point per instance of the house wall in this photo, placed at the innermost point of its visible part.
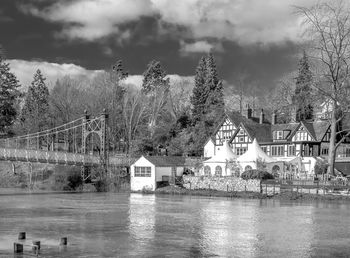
(225, 132)
(209, 149)
(140, 183)
(225, 172)
(240, 142)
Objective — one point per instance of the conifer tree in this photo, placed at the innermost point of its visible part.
(35, 111)
(302, 96)
(9, 95)
(199, 94)
(207, 95)
(207, 103)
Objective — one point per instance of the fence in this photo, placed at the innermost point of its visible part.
(272, 187)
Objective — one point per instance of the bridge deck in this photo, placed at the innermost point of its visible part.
(56, 157)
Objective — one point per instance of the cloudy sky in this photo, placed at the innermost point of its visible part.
(258, 38)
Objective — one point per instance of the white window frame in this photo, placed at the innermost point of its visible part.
(142, 171)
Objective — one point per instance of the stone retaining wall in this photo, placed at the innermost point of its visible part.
(221, 183)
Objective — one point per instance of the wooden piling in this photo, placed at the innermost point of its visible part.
(36, 244)
(63, 241)
(17, 248)
(22, 235)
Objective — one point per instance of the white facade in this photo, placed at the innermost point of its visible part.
(139, 183)
(209, 149)
(150, 180)
(218, 165)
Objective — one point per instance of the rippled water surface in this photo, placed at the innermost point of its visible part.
(123, 225)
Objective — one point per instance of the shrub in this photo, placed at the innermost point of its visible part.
(74, 181)
(256, 174)
(101, 186)
(321, 167)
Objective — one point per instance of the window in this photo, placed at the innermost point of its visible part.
(241, 139)
(277, 150)
(347, 152)
(324, 151)
(207, 171)
(279, 135)
(241, 132)
(291, 150)
(218, 171)
(142, 171)
(241, 150)
(264, 148)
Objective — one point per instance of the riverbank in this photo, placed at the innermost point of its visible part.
(175, 190)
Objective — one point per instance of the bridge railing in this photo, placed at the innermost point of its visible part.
(54, 157)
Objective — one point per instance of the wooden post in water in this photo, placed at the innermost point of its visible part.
(17, 248)
(36, 244)
(22, 235)
(63, 241)
(273, 189)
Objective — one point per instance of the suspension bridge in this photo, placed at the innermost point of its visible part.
(82, 142)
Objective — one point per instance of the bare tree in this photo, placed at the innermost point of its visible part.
(134, 114)
(66, 100)
(281, 98)
(179, 97)
(327, 28)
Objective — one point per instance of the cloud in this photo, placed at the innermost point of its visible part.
(91, 19)
(242, 21)
(24, 70)
(135, 80)
(201, 46)
(174, 78)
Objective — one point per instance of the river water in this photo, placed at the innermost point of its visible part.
(135, 225)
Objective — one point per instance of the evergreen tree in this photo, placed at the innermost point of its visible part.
(301, 99)
(207, 96)
(35, 111)
(200, 93)
(207, 104)
(9, 94)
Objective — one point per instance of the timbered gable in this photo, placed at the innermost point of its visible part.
(240, 140)
(302, 134)
(225, 132)
(326, 136)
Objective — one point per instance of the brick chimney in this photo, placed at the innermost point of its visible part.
(262, 117)
(249, 112)
(274, 118)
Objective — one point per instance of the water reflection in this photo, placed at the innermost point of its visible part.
(141, 222)
(116, 225)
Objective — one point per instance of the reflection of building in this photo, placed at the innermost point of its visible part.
(150, 171)
(284, 142)
(141, 223)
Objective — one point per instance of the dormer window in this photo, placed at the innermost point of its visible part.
(279, 135)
